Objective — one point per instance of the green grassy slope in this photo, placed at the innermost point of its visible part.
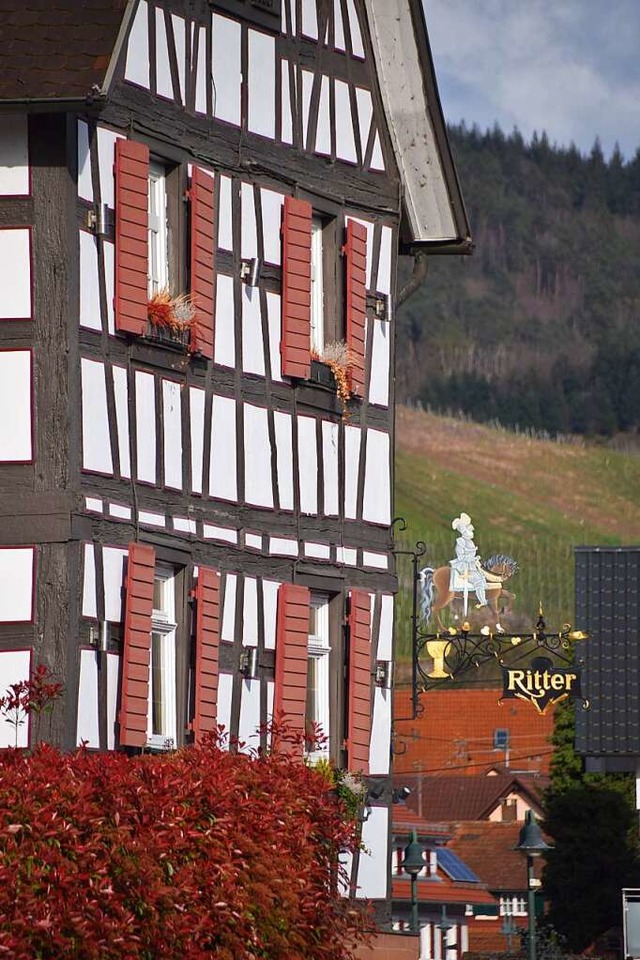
(533, 499)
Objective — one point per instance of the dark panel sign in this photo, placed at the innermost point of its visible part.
(541, 683)
(264, 13)
(607, 607)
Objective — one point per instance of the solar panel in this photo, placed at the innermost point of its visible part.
(454, 867)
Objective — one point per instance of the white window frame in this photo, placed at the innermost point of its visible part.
(317, 286)
(158, 230)
(319, 650)
(163, 652)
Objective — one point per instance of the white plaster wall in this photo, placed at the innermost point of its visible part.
(164, 85)
(121, 393)
(228, 628)
(172, 427)
(202, 74)
(250, 613)
(90, 317)
(89, 598)
(137, 62)
(146, 426)
(113, 560)
(380, 363)
(223, 476)
(262, 84)
(225, 335)
(196, 413)
(96, 443)
(227, 69)
(308, 465)
(257, 451)
(88, 724)
(15, 667)
(16, 584)
(14, 156)
(284, 459)
(352, 461)
(270, 606)
(15, 273)
(252, 339)
(377, 488)
(373, 867)
(330, 443)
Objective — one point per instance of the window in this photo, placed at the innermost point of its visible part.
(317, 287)
(161, 716)
(158, 229)
(317, 712)
(327, 314)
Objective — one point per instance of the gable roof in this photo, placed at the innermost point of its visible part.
(56, 51)
(454, 734)
(468, 798)
(434, 213)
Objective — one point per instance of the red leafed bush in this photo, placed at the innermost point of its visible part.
(201, 853)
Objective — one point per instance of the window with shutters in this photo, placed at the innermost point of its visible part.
(323, 294)
(162, 708)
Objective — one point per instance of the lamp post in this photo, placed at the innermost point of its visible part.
(532, 845)
(412, 864)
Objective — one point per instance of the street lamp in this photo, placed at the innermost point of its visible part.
(412, 864)
(531, 844)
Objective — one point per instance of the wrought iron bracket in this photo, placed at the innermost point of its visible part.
(447, 655)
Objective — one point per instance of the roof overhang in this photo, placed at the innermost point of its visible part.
(434, 216)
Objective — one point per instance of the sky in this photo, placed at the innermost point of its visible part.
(570, 67)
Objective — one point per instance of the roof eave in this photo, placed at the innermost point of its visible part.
(464, 244)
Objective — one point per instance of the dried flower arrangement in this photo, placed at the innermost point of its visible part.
(339, 359)
(175, 314)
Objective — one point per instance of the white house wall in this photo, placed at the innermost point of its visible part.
(15, 667)
(372, 866)
(217, 92)
(163, 406)
(14, 156)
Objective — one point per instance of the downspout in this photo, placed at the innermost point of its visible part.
(417, 278)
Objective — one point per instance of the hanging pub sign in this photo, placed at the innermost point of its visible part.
(541, 683)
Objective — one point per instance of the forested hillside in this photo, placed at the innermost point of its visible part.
(540, 327)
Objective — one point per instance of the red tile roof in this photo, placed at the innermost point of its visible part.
(488, 849)
(469, 798)
(454, 734)
(442, 892)
(54, 49)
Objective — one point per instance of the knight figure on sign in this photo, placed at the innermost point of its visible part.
(466, 575)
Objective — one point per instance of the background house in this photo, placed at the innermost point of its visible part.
(473, 767)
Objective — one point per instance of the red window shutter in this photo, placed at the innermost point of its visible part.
(207, 648)
(132, 244)
(137, 645)
(292, 644)
(295, 345)
(356, 254)
(202, 257)
(359, 697)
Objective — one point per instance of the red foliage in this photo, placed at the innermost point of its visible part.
(200, 853)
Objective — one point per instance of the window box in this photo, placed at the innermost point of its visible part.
(322, 374)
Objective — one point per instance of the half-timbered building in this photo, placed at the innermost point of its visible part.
(201, 207)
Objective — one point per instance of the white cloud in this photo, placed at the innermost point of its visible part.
(569, 67)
